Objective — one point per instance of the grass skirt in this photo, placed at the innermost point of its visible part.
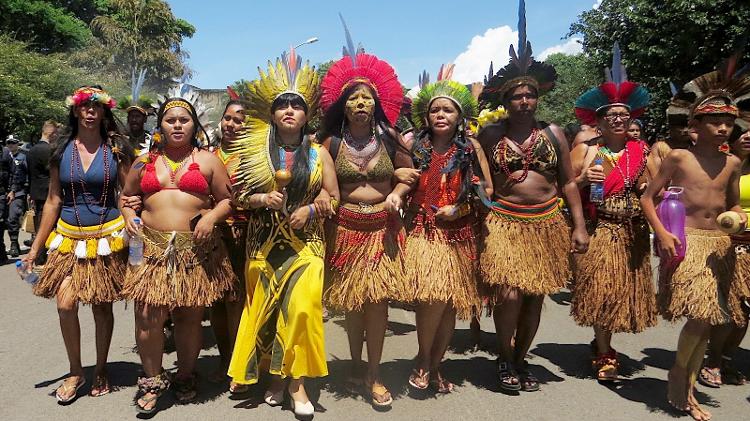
(364, 257)
(740, 288)
(97, 270)
(699, 288)
(614, 289)
(525, 252)
(178, 273)
(234, 236)
(441, 265)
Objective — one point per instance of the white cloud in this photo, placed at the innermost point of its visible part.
(572, 46)
(597, 4)
(472, 65)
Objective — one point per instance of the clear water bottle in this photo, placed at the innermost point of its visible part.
(135, 246)
(26, 273)
(597, 188)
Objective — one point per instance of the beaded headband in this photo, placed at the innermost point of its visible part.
(177, 103)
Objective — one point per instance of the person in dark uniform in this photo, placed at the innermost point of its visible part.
(5, 168)
(38, 165)
(16, 197)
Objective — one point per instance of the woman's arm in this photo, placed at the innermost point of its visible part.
(305, 213)
(221, 190)
(50, 214)
(484, 165)
(567, 182)
(131, 186)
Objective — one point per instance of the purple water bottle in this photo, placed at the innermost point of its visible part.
(671, 213)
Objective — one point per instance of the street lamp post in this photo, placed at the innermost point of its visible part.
(309, 41)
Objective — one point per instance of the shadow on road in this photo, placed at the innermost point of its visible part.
(575, 359)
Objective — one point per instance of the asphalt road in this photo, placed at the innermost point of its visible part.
(33, 361)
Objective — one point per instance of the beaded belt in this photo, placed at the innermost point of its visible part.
(362, 216)
(526, 213)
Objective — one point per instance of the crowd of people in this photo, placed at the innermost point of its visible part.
(454, 214)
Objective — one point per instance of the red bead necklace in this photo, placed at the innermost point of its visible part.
(526, 153)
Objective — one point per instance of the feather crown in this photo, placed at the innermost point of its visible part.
(722, 91)
(90, 94)
(286, 75)
(358, 67)
(443, 88)
(521, 70)
(616, 90)
(135, 101)
(183, 92)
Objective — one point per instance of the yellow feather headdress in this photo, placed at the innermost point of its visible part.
(255, 171)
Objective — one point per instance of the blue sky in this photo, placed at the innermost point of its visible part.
(234, 37)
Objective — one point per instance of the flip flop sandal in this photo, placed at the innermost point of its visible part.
(380, 397)
(419, 379)
(708, 377)
(238, 388)
(156, 386)
(441, 385)
(101, 383)
(506, 373)
(65, 387)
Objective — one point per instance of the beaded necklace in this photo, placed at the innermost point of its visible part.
(173, 167)
(360, 153)
(78, 166)
(526, 153)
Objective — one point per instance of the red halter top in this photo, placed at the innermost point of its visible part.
(192, 181)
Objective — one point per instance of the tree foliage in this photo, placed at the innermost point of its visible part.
(575, 74)
(47, 26)
(33, 88)
(664, 41)
(138, 33)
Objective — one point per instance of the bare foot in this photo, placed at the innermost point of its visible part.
(695, 406)
(677, 388)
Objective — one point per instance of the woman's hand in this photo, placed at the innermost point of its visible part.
(408, 176)
(301, 216)
(273, 200)
(393, 203)
(30, 257)
(668, 244)
(131, 226)
(203, 229)
(132, 202)
(579, 241)
(323, 206)
(447, 213)
(593, 174)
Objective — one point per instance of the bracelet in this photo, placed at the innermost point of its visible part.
(334, 204)
(263, 197)
(463, 210)
(312, 211)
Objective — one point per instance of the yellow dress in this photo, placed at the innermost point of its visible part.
(283, 316)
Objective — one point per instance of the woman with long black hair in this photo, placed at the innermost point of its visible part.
(83, 230)
(366, 235)
(280, 175)
(185, 268)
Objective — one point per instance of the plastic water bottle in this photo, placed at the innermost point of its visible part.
(25, 272)
(671, 213)
(135, 246)
(597, 188)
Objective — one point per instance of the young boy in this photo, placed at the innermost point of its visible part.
(698, 288)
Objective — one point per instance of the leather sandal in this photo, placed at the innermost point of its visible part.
(186, 389)
(100, 387)
(606, 366)
(710, 377)
(441, 385)
(509, 380)
(529, 382)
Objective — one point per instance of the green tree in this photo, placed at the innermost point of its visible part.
(46, 26)
(663, 41)
(33, 88)
(138, 34)
(575, 74)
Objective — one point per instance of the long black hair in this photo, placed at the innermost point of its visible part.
(109, 130)
(196, 123)
(464, 160)
(297, 188)
(335, 118)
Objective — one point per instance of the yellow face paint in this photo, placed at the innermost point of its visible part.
(360, 105)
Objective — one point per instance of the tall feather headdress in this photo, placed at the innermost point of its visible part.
(135, 101)
(725, 90)
(616, 90)
(255, 171)
(521, 70)
(443, 88)
(358, 67)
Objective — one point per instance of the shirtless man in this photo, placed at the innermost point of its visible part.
(697, 288)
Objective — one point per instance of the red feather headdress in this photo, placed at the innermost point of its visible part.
(358, 67)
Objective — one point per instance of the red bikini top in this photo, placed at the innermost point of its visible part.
(192, 181)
